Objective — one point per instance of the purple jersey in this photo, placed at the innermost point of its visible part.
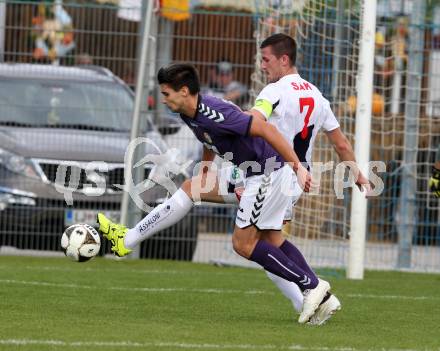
(223, 128)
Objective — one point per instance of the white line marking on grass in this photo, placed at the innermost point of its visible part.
(117, 270)
(203, 291)
(148, 290)
(192, 346)
(393, 297)
(38, 283)
(89, 269)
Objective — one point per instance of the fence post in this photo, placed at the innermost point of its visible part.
(337, 48)
(163, 58)
(2, 29)
(406, 217)
(130, 213)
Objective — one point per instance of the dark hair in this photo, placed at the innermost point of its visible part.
(180, 75)
(281, 44)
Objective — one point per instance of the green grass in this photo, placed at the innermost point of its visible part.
(56, 304)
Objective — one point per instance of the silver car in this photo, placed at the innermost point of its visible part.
(77, 118)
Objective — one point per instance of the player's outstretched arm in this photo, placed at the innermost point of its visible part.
(271, 134)
(345, 152)
(255, 113)
(341, 144)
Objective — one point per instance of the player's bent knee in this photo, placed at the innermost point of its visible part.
(239, 248)
(273, 237)
(197, 187)
(243, 245)
(186, 187)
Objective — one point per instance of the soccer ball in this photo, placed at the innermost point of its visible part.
(80, 242)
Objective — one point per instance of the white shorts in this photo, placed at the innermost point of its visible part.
(297, 192)
(265, 200)
(231, 177)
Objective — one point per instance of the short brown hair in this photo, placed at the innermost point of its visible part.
(281, 44)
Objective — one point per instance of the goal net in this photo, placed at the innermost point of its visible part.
(328, 37)
(327, 41)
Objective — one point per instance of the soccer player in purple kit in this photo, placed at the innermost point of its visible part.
(267, 160)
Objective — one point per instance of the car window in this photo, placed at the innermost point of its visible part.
(63, 103)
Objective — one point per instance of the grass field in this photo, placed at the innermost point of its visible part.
(56, 304)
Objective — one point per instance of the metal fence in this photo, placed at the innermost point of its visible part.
(100, 49)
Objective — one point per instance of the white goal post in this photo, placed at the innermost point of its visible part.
(358, 225)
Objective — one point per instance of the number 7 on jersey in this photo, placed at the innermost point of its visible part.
(310, 103)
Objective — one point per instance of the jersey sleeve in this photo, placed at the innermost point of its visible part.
(267, 100)
(330, 121)
(232, 121)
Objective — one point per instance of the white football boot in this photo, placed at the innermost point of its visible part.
(312, 299)
(325, 311)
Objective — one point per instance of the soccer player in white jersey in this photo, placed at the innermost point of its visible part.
(298, 109)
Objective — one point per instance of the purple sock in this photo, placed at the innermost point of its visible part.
(275, 261)
(296, 256)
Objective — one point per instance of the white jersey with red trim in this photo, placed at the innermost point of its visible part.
(298, 110)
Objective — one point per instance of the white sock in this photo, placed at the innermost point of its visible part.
(289, 290)
(161, 217)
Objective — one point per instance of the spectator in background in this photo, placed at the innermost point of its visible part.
(83, 59)
(383, 61)
(128, 75)
(223, 85)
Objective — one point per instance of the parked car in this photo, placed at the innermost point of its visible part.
(77, 117)
(178, 135)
